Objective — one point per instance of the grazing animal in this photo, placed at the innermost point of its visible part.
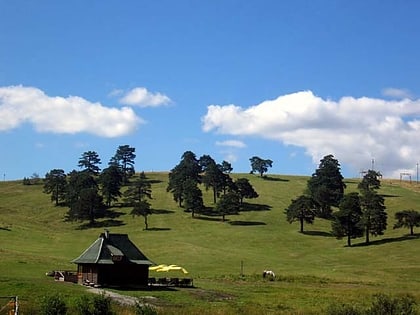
(269, 274)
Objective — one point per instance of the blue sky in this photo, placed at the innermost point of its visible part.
(290, 81)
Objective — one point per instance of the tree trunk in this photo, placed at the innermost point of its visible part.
(348, 240)
(367, 235)
(145, 223)
(367, 229)
(214, 194)
(411, 230)
(301, 225)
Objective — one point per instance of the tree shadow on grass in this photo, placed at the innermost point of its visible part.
(209, 218)
(389, 240)
(111, 214)
(5, 228)
(318, 233)
(247, 223)
(389, 196)
(254, 207)
(101, 224)
(158, 229)
(274, 179)
(162, 211)
(155, 181)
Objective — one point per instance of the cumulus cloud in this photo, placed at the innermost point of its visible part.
(354, 130)
(140, 96)
(231, 143)
(56, 114)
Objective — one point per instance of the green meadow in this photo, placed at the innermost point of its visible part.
(225, 259)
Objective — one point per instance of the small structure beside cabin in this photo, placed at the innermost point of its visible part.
(112, 260)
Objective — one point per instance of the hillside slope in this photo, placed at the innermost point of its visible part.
(34, 238)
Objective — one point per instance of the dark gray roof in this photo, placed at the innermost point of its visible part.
(109, 248)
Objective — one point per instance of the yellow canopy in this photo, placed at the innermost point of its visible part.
(166, 268)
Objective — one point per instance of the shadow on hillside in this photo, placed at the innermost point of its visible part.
(5, 229)
(246, 223)
(162, 211)
(154, 181)
(275, 179)
(209, 218)
(158, 229)
(390, 196)
(101, 224)
(109, 213)
(254, 207)
(389, 240)
(317, 233)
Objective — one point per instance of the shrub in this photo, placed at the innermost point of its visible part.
(102, 305)
(343, 309)
(83, 306)
(53, 305)
(384, 304)
(96, 305)
(144, 309)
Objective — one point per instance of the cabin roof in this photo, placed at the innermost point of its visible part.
(111, 248)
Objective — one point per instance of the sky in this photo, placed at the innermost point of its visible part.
(289, 81)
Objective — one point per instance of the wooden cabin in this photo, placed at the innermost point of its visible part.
(112, 260)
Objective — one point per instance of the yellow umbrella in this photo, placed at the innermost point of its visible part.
(166, 268)
(155, 268)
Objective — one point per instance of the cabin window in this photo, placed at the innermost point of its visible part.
(117, 258)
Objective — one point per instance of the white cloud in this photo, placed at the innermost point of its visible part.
(353, 129)
(231, 143)
(397, 93)
(140, 96)
(73, 114)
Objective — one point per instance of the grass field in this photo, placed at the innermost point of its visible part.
(313, 268)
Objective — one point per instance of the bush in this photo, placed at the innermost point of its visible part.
(343, 309)
(83, 306)
(144, 309)
(102, 305)
(96, 305)
(384, 304)
(53, 305)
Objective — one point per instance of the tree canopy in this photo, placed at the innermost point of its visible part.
(373, 206)
(137, 195)
(124, 159)
(326, 186)
(301, 209)
(260, 165)
(407, 218)
(348, 220)
(188, 168)
(89, 162)
(55, 183)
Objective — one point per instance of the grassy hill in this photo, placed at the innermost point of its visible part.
(313, 268)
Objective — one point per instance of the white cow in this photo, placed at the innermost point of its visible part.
(269, 274)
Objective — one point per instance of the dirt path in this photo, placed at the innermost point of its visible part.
(122, 299)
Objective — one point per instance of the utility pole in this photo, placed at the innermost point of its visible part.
(417, 170)
(373, 164)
